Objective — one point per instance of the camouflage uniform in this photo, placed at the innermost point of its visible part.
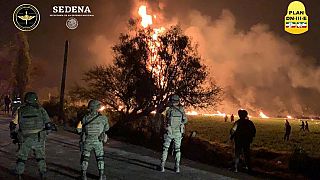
(93, 134)
(32, 120)
(175, 118)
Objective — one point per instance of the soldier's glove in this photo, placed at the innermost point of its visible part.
(14, 137)
(105, 139)
(12, 126)
(50, 126)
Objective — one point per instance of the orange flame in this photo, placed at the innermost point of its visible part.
(146, 18)
(289, 117)
(192, 113)
(102, 108)
(262, 115)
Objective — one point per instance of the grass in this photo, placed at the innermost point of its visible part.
(269, 135)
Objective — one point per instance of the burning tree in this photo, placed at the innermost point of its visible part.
(147, 71)
(149, 66)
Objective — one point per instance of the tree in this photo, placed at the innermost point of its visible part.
(21, 65)
(148, 68)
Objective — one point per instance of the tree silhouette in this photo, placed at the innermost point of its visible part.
(21, 65)
(147, 71)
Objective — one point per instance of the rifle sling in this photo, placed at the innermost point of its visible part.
(85, 124)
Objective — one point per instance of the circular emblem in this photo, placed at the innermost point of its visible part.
(72, 23)
(26, 17)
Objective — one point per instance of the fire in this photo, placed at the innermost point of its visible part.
(289, 117)
(146, 18)
(262, 115)
(102, 108)
(154, 64)
(192, 113)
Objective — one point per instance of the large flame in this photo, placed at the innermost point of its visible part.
(146, 18)
(153, 64)
(262, 115)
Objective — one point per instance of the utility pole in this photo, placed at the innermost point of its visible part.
(63, 83)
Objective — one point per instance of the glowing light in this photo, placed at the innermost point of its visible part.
(153, 112)
(102, 108)
(289, 117)
(146, 18)
(262, 115)
(154, 64)
(192, 113)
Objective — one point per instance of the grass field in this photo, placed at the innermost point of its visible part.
(269, 135)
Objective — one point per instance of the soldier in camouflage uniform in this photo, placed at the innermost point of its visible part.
(93, 129)
(33, 122)
(175, 119)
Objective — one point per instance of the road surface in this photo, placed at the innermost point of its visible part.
(123, 161)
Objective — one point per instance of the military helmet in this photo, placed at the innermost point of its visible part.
(174, 98)
(94, 104)
(31, 98)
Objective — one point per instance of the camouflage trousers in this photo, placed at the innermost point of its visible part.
(38, 147)
(96, 146)
(168, 138)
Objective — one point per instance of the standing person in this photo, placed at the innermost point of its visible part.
(33, 122)
(288, 130)
(242, 132)
(15, 104)
(302, 126)
(7, 102)
(175, 120)
(93, 128)
(226, 118)
(232, 117)
(306, 127)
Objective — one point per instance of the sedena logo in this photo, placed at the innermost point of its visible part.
(296, 20)
(26, 17)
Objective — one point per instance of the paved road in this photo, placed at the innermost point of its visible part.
(123, 161)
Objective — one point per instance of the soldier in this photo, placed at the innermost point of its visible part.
(242, 133)
(288, 130)
(93, 128)
(175, 119)
(33, 122)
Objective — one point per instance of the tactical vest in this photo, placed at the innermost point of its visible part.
(175, 116)
(30, 120)
(94, 128)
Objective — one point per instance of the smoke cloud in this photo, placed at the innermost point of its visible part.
(257, 69)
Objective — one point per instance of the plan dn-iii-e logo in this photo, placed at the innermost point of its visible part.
(296, 20)
(26, 17)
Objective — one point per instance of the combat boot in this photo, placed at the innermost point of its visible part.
(177, 168)
(162, 166)
(19, 177)
(101, 175)
(43, 175)
(84, 175)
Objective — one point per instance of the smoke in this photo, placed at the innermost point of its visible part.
(258, 69)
